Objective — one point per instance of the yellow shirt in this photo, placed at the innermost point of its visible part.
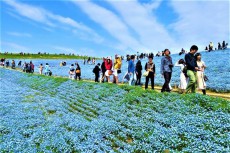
(117, 63)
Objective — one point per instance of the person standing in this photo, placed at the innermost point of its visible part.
(78, 72)
(71, 72)
(103, 70)
(96, 71)
(150, 67)
(200, 74)
(166, 70)
(192, 69)
(13, 64)
(108, 66)
(117, 68)
(31, 67)
(131, 69)
(47, 70)
(138, 72)
(40, 69)
(183, 76)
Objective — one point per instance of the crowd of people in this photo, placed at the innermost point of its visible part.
(191, 70)
(210, 47)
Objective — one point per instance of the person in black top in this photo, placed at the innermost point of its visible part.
(138, 72)
(103, 69)
(150, 66)
(78, 72)
(96, 71)
(192, 68)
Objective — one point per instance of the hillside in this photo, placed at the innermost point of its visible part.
(60, 115)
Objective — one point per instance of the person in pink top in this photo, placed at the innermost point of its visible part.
(108, 67)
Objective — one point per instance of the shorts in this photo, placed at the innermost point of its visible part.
(115, 73)
(107, 73)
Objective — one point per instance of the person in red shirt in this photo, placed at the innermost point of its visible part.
(108, 67)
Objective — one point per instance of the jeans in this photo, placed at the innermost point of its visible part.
(192, 81)
(151, 77)
(167, 77)
(131, 79)
(138, 81)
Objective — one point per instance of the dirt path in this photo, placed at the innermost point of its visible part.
(157, 88)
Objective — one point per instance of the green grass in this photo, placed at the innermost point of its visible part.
(41, 56)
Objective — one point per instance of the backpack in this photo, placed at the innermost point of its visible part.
(185, 71)
(94, 70)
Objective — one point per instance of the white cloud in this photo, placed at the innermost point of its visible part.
(201, 22)
(17, 34)
(45, 17)
(110, 22)
(13, 47)
(151, 34)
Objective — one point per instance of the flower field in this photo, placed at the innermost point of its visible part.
(47, 114)
(218, 69)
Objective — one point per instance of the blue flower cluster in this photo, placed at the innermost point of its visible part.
(43, 114)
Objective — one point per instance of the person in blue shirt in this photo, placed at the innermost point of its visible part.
(131, 69)
(166, 70)
(192, 68)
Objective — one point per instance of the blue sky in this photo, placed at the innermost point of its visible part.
(104, 28)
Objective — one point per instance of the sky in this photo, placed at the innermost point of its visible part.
(105, 28)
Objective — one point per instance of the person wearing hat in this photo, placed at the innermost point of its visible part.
(96, 71)
(150, 67)
(131, 69)
(166, 70)
(117, 68)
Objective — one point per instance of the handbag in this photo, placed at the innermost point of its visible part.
(146, 73)
(127, 77)
(78, 71)
(118, 71)
(110, 72)
(205, 78)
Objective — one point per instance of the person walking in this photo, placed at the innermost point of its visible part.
(108, 67)
(166, 70)
(40, 69)
(192, 69)
(131, 69)
(183, 76)
(96, 71)
(200, 74)
(103, 70)
(150, 67)
(78, 72)
(138, 71)
(117, 68)
(71, 72)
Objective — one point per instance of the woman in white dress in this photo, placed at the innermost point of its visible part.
(183, 79)
(201, 85)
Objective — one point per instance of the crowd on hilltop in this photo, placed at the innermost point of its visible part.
(210, 47)
(191, 70)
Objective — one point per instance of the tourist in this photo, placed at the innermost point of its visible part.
(192, 69)
(19, 63)
(150, 68)
(103, 70)
(117, 68)
(223, 45)
(138, 71)
(183, 76)
(108, 67)
(47, 70)
(71, 72)
(200, 74)
(7, 63)
(131, 69)
(31, 67)
(13, 64)
(219, 46)
(78, 72)
(166, 70)
(96, 71)
(40, 69)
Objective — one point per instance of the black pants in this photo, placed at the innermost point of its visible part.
(167, 77)
(96, 77)
(151, 77)
(78, 75)
(138, 82)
